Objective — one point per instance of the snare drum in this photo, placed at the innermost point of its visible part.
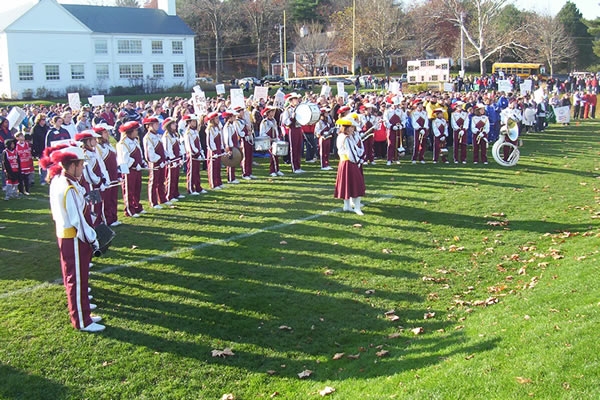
(308, 113)
(280, 148)
(262, 143)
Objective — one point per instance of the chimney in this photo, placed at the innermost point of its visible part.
(167, 6)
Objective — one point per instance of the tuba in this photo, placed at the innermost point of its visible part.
(511, 129)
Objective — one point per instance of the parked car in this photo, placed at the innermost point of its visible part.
(204, 79)
(253, 81)
(333, 81)
(273, 79)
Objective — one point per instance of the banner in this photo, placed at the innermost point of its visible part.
(325, 90)
(197, 89)
(220, 88)
(563, 114)
(261, 92)
(237, 98)
(279, 99)
(504, 86)
(15, 117)
(448, 87)
(96, 100)
(74, 101)
(395, 87)
(526, 86)
(538, 95)
(340, 89)
(199, 103)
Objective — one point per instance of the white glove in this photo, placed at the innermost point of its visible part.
(95, 245)
(102, 187)
(162, 164)
(395, 128)
(480, 135)
(138, 167)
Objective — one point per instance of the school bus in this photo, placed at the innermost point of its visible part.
(523, 70)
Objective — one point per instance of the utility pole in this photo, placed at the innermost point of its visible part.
(462, 46)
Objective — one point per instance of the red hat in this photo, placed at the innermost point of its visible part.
(150, 120)
(417, 102)
(102, 127)
(166, 122)
(267, 109)
(86, 135)
(190, 117)
(226, 114)
(210, 116)
(343, 109)
(438, 110)
(70, 153)
(129, 126)
(292, 95)
(238, 108)
(325, 110)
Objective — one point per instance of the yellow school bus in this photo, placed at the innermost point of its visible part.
(523, 70)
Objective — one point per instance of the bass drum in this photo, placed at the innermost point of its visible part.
(280, 148)
(262, 143)
(308, 114)
(234, 159)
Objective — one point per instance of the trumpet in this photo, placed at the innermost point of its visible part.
(364, 136)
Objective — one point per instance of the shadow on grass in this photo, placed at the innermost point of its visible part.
(15, 384)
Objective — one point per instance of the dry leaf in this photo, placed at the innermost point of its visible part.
(328, 272)
(274, 394)
(305, 374)
(522, 380)
(354, 356)
(429, 315)
(228, 396)
(357, 226)
(456, 238)
(337, 356)
(271, 372)
(392, 317)
(285, 328)
(390, 312)
(241, 216)
(326, 391)
(133, 247)
(382, 353)
(222, 353)
(283, 242)
(394, 335)
(469, 356)
(370, 291)
(386, 251)
(498, 214)
(417, 331)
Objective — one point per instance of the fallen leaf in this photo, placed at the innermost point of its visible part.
(527, 317)
(357, 226)
(222, 353)
(305, 374)
(328, 272)
(354, 356)
(418, 330)
(274, 394)
(498, 214)
(386, 251)
(382, 353)
(469, 356)
(271, 372)
(337, 356)
(228, 396)
(285, 328)
(370, 291)
(522, 380)
(392, 317)
(429, 315)
(394, 335)
(241, 216)
(283, 242)
(133, 247)
(326, 391)
(390, 312)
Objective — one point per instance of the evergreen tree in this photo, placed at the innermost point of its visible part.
(305, 10)
(594, 31)
(572, 20)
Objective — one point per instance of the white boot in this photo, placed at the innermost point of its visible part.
(356, 201)
(347, 205)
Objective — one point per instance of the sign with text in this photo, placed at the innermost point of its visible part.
(563, 114)
(504, 86)
(74, 101)
(220, 88)
(261, 92)
(237, 98)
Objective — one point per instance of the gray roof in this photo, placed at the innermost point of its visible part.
(103, 19)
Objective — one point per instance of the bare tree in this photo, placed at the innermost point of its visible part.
(477, 20)
(430, 34)
(128, 3)
(262, 16)
(551, 42)
(313, 47)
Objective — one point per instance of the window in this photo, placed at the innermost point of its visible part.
(158, 70)
(177, 46)
(52, 72)
(101, 47)
(129, 46)
(26, 72)
(77, 72)
(102, 72)
(157, 47)
(131, 71)
(178, 71)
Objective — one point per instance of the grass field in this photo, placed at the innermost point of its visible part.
(460, 282)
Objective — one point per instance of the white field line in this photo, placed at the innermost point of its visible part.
(175, 253)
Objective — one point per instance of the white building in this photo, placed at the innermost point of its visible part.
(425, 71)
(47, 46)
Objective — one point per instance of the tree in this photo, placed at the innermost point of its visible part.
(572, 20)
(304, 10)
(262, 16)
(594, 31)
(551, 42)
(429, 34)
(128, 3)
(478, 20)
(313, 47)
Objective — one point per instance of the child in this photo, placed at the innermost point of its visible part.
(25, 163)
(10, 162)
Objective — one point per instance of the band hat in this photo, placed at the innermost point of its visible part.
(344, 122)
(167, 121)
(70, 153)
(83, 135)
(129, 126)
(227, 113)
(480, 106)
(416, 102)
(267, 109)
(102, 127)
(150, 120)
(238, 109)
(188, 117)
(438, 110)
(325, 110)
(343, 109)
(292, 95)
(211, 116)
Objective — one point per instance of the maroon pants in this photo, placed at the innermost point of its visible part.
(172, 182)
(369, 149)
(419, 146)
(296, 141)
(460, 147)
(132, 188)
(437, 146)
(479, 148)
(193, 176)
(392, 145)
(214, 171)
(75, 257)
(324, 149)
(109, 204)
(506, 150)
(274, 166)
(247, 152)
(156, 185)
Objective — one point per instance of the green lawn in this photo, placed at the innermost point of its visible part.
(497, 266)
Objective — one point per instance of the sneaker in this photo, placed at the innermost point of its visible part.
(168, 203)
(181, 196)
(174, 200)
(235, 181)
(446, 162)
(247, 178)
(90, 297)
(422, 161)
(372, 162)
(273, 174)
(455, 162)
(485, 163)
(464, 162)
(255, 163)
(143, 212)
(279, 173)
(299, 171)
(91, 264)
(435, 162)
(96, 318)
(157, 207)
(388, 163)
(93, 306)
(43, 184)
(116, 223)
(135, 216)
(474, 162)
(203, 191)
(194, 193)
(252, 177)
(414, 161)
(310, 161)
(218, 188)
(26, 193)
(93, 328)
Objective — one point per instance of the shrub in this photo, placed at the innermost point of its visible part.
(83, 91)
(27, 94)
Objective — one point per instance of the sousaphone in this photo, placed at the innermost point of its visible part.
(510, 130)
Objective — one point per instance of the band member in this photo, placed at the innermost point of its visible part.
(214, 148)
(420, 124)
(480, 127)
(174, 156)
(323, 132)
(288, 119)
(368, 121)
(245, 131)
(350, 182)
(459, 120)
(110, 195)
(511, 112)
(231, 140)
(194, 154)
(394, 120)
(76, 238)
(94, 172)
(157, 161)
(268, 127)
(129, 157)
(440, 135)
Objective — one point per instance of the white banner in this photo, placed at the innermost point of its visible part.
(197, 89)
(504, 86)
(395, 87)
(538, 95)
(96, 100)
(563, 114)
(220, 88)
(448, 87)
(261, 92)
(237, 98)
(199, 103)
(74, 101)
(279, 99)
(526, 86)
(15, 117)
(325, 90)
(340, 88)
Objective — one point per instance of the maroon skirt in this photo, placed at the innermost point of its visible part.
(349, 181)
